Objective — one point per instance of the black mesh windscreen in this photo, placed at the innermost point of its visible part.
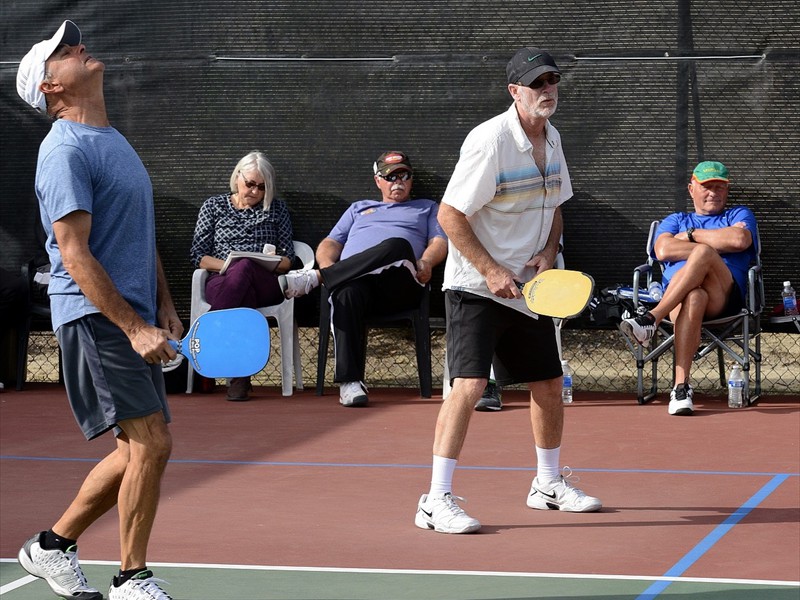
(324, 87)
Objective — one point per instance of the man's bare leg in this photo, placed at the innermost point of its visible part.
(150, 446)
(704, 268)
(547, 413)
(98, 495)
(688, 319)
(454, 416)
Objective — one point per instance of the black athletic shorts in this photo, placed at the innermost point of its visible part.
(482, 332)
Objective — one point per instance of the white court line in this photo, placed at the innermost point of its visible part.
(4, 589)
(431, 572)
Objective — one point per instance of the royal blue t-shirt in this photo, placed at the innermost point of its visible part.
(737, 262)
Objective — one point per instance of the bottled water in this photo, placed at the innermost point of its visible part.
(789, 299)
(566, 390)
(736, 388)
(655, 290)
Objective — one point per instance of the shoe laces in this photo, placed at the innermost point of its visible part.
(452, 507)
(65, 564)
(568, 481)
(148, 585)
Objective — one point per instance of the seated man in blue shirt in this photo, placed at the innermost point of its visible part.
(706, 255)
(376, 260)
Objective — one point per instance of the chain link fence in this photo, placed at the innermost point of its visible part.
(599, 358)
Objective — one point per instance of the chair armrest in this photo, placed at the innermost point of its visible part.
(645, 270)
(755, 290)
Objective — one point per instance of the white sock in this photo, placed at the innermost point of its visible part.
(442, 475)
(547, 464)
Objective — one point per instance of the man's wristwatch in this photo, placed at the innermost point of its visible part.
(690, 234)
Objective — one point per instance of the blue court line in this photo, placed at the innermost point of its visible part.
(712, 538)
(267, 463)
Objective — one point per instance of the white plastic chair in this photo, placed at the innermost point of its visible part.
(282, 313)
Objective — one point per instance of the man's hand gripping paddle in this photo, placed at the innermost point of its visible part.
(558, 293)
(227, 343)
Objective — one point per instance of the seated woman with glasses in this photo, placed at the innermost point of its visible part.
(248, 218)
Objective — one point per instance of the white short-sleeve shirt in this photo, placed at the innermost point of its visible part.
(509, 204)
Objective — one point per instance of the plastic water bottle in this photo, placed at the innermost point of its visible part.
(789, 299)
(566, 390)
(736, 388)
(655, 290)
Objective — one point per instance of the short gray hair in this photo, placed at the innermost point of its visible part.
(257, 161)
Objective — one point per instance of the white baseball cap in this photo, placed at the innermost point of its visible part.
(31, 68)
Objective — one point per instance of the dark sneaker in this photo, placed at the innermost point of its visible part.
(239, 389)
(142, 586)
(491, 399)
(641, 328)
(60, 570)
(680, 400)
(442, 514)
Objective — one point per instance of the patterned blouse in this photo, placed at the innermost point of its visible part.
(221, 229)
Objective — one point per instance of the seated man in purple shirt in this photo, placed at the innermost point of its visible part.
(376, 260)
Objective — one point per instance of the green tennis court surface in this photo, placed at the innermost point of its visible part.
(233, 582)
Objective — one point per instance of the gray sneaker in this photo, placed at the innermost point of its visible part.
(60, 570)
(491, 399)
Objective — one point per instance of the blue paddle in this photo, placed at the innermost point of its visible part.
(227, 343)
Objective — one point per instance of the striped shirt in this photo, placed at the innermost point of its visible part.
(509, 203)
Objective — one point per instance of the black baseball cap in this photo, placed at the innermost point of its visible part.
(528, 64)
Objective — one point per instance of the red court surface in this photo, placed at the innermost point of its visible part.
(304, 484)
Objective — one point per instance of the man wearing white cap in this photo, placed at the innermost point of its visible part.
(111, 310)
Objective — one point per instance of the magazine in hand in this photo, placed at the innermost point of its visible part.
(268, 261)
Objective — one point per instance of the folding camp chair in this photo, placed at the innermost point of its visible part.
(737, 336)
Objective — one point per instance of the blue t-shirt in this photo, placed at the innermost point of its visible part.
(737, 262)
(95, 169)
(366, 223)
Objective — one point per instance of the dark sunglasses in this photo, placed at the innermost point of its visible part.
(403, 176)
(538, 83)
(252, 184)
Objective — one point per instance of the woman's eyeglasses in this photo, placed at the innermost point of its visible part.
(538, 83)
(403, 176)
(252, 184)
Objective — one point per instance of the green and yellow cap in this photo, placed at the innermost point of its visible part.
(710, 170)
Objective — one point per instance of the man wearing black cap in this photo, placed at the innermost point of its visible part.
(111, 310)
(501, 213)
(375, 260)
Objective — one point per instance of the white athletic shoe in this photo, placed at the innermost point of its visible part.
(60, 570)
(638, 328)
(299, 283)
(561, 495)
(353, 394)
(142, 586)
(680, 400)
(442, 514)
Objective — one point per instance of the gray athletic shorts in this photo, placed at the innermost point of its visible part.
(482, 333)
(106, 380)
